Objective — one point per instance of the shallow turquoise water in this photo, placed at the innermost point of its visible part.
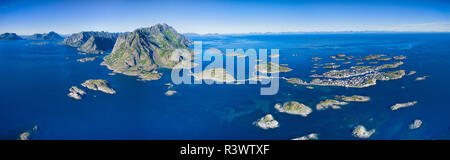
(36, 79)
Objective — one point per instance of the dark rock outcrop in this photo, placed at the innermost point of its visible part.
(92, 42)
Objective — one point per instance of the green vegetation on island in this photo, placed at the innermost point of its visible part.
(384, 59)
(354, 98)
(392, 65)
(267, 122)
(372, 57)
(293, 107)
(334, 104)
(98, 84)
(384, 76)
(149, 76)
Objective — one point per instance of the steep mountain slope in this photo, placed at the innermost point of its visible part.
(146, 49)
(92, 42)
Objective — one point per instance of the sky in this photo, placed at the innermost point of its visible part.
(26, 17)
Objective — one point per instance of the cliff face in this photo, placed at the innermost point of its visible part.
(92, 42)
(46, 36)
(146, 49)
(9, 36)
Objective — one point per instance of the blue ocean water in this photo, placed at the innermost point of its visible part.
(36, 79)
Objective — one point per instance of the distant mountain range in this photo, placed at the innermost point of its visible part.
(38, 36)
(9, 36)
(45, 36)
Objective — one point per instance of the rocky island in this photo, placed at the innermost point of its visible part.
(361, 132)
(28, 134)
(422, 78)
(271, 68)
(170, 92)
(334, 104)
(403, 105)
(267, 122)
(98, 84)
(9, 37)
(312, 136)
(354, 98)
(416, 124)
(236, 55)
(150, 76)
(372, 57)
(411, 73)
(92, 42)
(215, 74)
(293, 107)
(76, 93)
(82, 60)
(400, 57)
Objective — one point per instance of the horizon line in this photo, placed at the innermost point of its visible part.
(255, 33)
